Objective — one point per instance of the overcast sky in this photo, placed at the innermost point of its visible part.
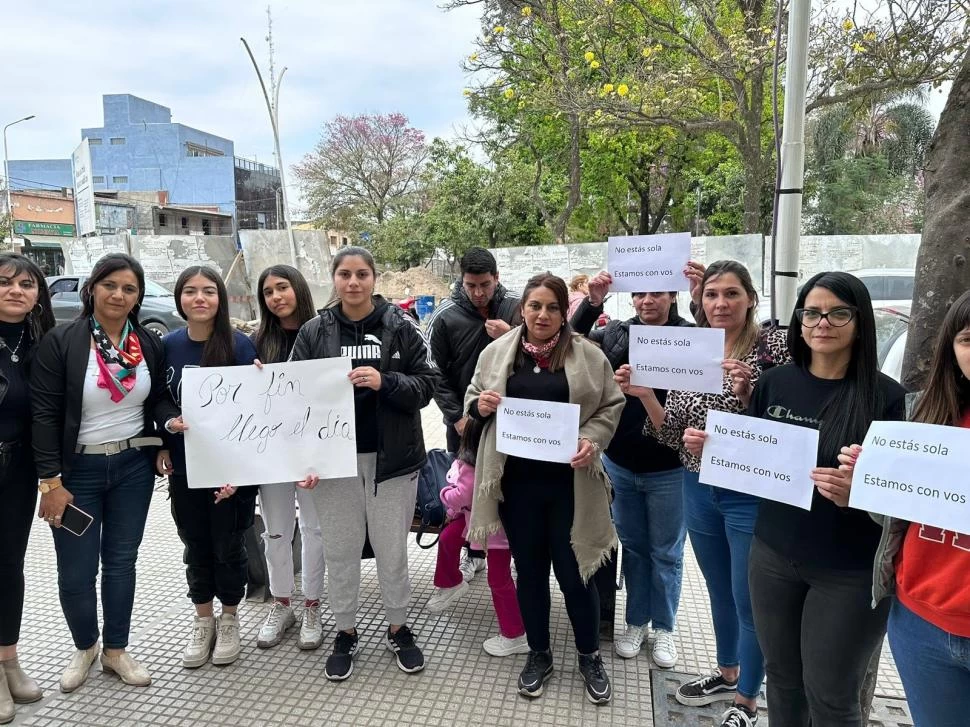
(342, 57)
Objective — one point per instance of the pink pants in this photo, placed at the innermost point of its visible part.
(447, 575)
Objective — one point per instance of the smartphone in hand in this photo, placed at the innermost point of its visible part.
(75, 521)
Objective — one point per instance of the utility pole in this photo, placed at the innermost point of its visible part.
(273, 108)
(784, 262)
(6, 172)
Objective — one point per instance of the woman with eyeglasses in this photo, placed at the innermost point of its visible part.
(810, 571)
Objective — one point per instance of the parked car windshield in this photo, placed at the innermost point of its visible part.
(154, 290)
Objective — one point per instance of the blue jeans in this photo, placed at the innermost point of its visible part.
(934, 666)
(648, 510)
(116, 491)
(721, 527)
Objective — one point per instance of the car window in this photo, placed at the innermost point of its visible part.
(154, 290)
(876, 285)
(64, 285)
(900, 288)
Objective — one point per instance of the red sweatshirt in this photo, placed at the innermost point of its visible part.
(933, 574)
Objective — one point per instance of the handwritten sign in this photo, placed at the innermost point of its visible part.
(917, 472)
(533, 429)
(252, 427)
(760, 457)
(649, 263)
(681, 359)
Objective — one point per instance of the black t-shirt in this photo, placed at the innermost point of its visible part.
(525, 383)
(361, 342)
(827, 536)
(15, 411)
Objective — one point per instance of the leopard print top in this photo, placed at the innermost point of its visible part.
(689, 408)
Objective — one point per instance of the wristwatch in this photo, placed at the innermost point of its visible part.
(47, 485)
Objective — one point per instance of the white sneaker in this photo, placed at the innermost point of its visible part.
(200, 642)
(664, 649)
(628, 646)
(77, 669)
(444, 598)
(504, 646)
(311, 629)
(228, 646)
(470, 566)
(279, 619)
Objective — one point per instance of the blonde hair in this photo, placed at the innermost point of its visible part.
(749, 335)
(578, 282)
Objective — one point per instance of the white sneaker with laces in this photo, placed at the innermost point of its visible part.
(228, 645)
(200, 642)
(470, 566)
(311, 628)
(628, 646)
(504, 646)
(278, 621)
(664, 649)
(77, 669)
(444, 598)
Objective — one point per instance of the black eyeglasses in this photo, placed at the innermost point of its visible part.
(837, 317)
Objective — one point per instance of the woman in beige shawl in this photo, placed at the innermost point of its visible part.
(554, 514)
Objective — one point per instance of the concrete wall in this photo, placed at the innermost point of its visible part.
(164, 257)
(262, 248)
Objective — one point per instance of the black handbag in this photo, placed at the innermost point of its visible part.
(431, 481)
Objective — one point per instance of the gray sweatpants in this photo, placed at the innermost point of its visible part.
(348, 511)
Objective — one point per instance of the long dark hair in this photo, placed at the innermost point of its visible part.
(41, 319)
(947, 392)
(749, 336)
(471, 436)
(557, 358)
(850, 410)
(112, 263)
(219, 349)
(270, 338)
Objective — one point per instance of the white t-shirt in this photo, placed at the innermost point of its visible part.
(104, 421)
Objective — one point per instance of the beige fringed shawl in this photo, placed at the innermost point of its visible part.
(591, 385)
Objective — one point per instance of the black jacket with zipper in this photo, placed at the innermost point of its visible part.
(408, 380)
(629, 447)
(57, 387)
(456, 332)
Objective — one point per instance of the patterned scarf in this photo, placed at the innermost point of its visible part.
(540, 352)
(116, 368)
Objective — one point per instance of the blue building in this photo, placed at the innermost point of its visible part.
(139, 149)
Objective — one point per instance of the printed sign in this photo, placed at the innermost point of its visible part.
(760, 457)
(252, 427)
(649, 263)
(533, 429)
(677, 358)
(83, 190)
(917, 472)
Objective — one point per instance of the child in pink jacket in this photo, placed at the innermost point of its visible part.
(448, 581)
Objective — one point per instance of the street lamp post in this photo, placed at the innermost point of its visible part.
(6, 171)
(273, 108)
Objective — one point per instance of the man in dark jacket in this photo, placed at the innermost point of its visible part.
(648, 506)
(480, 310)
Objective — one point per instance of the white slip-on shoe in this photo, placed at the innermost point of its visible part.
(77, 669)
(444, 598)
(504, 646)
(130, 671)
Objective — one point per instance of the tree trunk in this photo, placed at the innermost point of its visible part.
(943, 263)
(753, 181)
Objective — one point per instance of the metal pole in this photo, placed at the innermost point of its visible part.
(6, 172)
(785, 263)
(271, 108)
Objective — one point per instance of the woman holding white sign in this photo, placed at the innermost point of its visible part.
(97, 391)
(720, 522)
(810, 570)
(554, 514)
(927, 567)
(210, 525)
(393, 377)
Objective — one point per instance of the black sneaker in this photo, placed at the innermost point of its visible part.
(538, 669)
(706, 690)
(598, 689)
(340, 664)
(739, 716)
(409, 656)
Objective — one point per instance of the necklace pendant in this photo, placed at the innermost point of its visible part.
(536, 369)
(15, 358)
